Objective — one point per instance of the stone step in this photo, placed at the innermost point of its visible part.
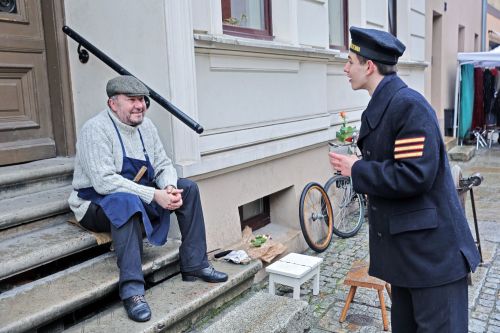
(32, 247)
(264, 313)
(22, 179)
(37, 303)
(176, 304)
(462, 153)
(449, 142)
(34, 206)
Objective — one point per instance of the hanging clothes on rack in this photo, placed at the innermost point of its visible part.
(478, 113)
(489, 94)
(466, 100)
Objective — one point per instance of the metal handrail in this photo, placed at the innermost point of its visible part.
(84, 56)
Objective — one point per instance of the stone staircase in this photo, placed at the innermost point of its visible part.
(54, 276)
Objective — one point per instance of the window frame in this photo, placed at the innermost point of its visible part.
(344, 47)
(265, 34)
(258, 221)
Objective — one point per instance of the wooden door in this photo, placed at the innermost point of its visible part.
(25, 114)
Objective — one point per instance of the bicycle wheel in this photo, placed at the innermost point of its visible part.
(315, 214)
(347, 205)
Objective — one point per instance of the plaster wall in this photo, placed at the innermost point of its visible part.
(139, 48)
(268, 107)
(312, 23)
(282, 178)
(467, 14)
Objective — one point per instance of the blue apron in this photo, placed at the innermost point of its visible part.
(120, 207)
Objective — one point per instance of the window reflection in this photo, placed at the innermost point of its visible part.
(8, 6)
(244, 13)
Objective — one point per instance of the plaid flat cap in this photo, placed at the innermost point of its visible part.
(126, 85)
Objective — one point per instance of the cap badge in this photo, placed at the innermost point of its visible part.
(355, 47)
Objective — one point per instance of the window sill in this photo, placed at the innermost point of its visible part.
(234, 42)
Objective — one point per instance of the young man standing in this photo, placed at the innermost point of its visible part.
(420, 241)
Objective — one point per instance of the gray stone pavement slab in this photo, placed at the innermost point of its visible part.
(264, 313)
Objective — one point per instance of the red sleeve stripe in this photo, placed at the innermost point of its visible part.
(407, 148)
(408, 155)
(420, 139)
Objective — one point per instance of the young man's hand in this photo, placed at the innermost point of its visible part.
(342, 163)
(169, 198)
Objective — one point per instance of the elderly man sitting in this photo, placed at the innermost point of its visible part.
(124, 182)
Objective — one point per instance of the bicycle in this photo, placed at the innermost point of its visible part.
(316, 217)
(349, 206)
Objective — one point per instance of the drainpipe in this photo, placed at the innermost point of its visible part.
(483, 25)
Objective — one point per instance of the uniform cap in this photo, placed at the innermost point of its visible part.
(126, 85)
(376, 45)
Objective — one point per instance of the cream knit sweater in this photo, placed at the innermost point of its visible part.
(99, 159)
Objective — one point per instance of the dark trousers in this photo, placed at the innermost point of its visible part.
(425, 310)
(127, 240)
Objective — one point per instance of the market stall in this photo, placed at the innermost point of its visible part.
(477, 93)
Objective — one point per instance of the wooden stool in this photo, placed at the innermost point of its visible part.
(293, 270)
(358, 277)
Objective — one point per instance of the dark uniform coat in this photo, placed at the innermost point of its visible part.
(419, 236)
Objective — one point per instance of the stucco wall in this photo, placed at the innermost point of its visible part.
(440, 86)
(268, 107)
(140, 48)
(282, 178)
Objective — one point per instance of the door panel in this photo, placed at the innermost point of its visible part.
(25, 112)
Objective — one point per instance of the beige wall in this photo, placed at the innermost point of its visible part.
(268, 107)
(441, 52)
(282, 177)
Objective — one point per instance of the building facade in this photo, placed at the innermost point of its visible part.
(263, 77)
(451, 27)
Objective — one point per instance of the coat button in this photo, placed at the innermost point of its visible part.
(379, 235)
(374, 208)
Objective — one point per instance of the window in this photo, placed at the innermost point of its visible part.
(255, 214)
(393, 22)
(337, 15)
(247, 18)
(8, 6)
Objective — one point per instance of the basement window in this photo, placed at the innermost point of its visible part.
(255, 214)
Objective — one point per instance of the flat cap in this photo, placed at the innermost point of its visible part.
(127, 85)
(376, 45)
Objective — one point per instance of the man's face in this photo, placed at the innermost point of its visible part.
(356, 72)
(129, 109)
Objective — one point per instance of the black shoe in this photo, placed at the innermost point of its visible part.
(208, 274)
(137, 308)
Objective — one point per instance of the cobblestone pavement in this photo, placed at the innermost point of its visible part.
(364, 314)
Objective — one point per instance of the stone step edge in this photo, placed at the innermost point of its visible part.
(275, 313)
(77, 286)
(176, 304)
(59, 240)
(32, 171)
(44, 206)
